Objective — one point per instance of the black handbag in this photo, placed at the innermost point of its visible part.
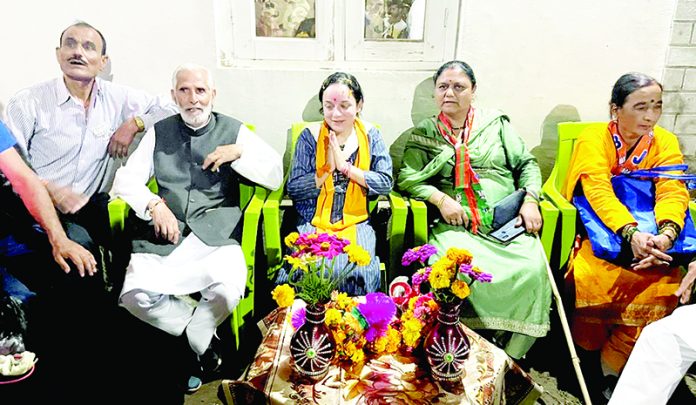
(505, 215)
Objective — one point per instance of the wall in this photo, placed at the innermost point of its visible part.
(541, 61)
(679, 79)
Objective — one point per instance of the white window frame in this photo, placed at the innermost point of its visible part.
(439, 36)
(337, 42)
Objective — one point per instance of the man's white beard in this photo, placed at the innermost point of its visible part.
(196, 120)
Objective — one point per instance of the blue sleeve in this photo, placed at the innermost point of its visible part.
(301, 184)
(6, 139)
(378, 179)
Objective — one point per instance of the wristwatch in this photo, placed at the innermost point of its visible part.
(139, 122)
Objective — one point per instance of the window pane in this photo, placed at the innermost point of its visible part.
(285, 18)
(394, 19)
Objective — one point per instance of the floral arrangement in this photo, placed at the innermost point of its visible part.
(417, 317)
(372, 326)
(314, 255)
(449, 277)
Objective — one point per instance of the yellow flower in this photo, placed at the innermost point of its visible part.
(460, 289)
(459, 256)
(358, 356)
(444, 265)
(432, 305)
(411, 332)
(339, 336)
(439, 278)
(380, 344)
(393, 340)
(290, 239)
(351, 323)
(284, 295)
(357, 255)
(297, 262)
(333, 316)
(344, 302)
(349, 349)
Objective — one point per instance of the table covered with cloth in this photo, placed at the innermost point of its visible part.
(490, 377)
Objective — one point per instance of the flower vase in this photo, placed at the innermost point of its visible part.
(446, 346)
(312, 346)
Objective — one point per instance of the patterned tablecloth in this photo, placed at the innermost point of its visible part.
(491, 377)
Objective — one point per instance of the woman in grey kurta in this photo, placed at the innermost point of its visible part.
(361, 163)
(493, 162)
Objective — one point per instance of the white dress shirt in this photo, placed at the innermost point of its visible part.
(66, 143)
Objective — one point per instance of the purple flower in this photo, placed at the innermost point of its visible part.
(475, 273)
(378, 310)
(484, 277)
(419, 253)
(298, 318)
(419, 278)
(467, 269)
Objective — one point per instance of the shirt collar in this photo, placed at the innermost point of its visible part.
(63, 94)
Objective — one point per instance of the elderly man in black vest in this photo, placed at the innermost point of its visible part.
(190, 242)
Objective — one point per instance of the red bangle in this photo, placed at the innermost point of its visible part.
(346, 169)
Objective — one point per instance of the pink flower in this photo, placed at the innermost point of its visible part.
(378, 310)
(328, 246)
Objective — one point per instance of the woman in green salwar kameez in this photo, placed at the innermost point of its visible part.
(463, 162)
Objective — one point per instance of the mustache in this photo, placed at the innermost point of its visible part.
(77, 60)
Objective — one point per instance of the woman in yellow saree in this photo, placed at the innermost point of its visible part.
(615, 302)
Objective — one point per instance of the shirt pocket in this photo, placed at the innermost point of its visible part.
(101, 131)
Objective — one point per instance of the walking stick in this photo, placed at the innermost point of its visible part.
(566, 328)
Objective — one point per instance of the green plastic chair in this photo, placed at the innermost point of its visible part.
(568, 133)
(272, 218)
(250, 197)
(549, 215)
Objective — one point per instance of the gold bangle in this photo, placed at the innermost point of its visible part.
(441, 201)
(531, 200)
(152, 207)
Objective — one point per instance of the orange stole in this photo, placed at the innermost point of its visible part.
(355, 207)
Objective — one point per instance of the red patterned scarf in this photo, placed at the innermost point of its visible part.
(465, 178)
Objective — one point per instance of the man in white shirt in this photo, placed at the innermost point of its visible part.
(663, 354)
(69, 130)
(190, 243)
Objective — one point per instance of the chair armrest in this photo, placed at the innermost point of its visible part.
(420, 221)
(549, 214)
(251, 217)
(397, 231)
(118, 211)
(568, 215)
(273, 244)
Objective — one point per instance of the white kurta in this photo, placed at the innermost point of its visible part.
(193, 265)
(663, 354)
(218, 272)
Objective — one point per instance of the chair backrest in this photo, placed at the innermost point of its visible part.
(568, 133)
